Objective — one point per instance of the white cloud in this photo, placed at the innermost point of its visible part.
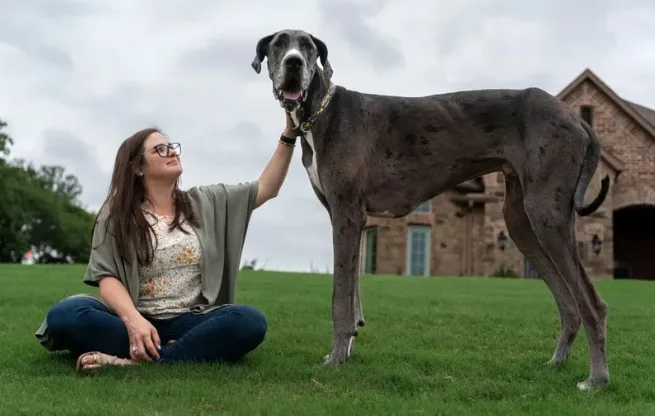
(78, 77)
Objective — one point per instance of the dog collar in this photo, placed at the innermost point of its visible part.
(307, 125)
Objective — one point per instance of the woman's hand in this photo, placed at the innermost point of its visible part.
(144, 339)
(289, 128)
(142, 334)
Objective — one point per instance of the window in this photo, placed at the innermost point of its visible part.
(418, 250)
(371, 250)
(424, 207)
(587, 114)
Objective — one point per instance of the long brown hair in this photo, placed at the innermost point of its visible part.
(127, 193)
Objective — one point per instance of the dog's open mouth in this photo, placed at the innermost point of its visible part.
(292, 95)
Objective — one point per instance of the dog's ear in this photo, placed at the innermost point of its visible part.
(323, 54)
(260, 52)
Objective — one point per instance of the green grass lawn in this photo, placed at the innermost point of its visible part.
(430, 346)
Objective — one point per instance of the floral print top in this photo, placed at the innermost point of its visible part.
(170, 285)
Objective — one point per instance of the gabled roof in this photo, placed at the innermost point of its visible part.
(612, 161)
(643, 116)
(645, 112)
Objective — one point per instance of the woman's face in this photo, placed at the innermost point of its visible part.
(161, 158)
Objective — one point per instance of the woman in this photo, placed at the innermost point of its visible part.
(165, 262)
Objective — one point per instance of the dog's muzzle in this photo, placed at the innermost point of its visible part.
(290, 91)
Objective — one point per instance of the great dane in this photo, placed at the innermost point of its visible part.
(381, 155)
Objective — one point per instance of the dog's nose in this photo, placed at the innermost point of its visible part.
(293, 62)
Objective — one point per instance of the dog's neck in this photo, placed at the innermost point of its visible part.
(318, 88)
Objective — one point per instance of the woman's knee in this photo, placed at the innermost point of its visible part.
(69, 313)
(252, 323)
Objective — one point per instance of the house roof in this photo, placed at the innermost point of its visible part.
(643, 116)
(645, 112)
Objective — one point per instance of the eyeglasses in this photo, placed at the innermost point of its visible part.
(164, 150)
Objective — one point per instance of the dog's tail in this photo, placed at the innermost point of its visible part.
(589, 165)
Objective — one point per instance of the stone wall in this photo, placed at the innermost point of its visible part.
(631, 144)
(454, 232)
(495, 258)
(447, 236)
(624, 138)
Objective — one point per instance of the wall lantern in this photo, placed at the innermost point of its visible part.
(502, 240)
(596, 244)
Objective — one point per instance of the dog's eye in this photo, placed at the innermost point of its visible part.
(305, 43)
(282, 40)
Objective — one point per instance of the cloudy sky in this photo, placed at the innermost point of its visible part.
(79, 76)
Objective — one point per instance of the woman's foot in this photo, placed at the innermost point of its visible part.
(95, 359)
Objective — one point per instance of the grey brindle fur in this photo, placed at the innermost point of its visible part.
(383, 155)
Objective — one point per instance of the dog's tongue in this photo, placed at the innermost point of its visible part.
(291, 95)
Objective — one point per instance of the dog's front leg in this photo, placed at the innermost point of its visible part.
(359, 314)
(346, 231)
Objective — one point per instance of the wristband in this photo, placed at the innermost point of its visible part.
(291, 141)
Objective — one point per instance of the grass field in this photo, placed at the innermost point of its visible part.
(431, 346)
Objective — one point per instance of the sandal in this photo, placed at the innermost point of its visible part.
(100, 359)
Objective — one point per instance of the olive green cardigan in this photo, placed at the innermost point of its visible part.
(223, 212)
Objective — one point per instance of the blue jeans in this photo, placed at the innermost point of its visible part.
(83, 324)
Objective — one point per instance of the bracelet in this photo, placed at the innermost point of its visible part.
(289, 141)
(287, 144)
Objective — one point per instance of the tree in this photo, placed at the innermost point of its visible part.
(5, 142)
(53, 178)
(14, 213)
(39, 208)
(13, 238)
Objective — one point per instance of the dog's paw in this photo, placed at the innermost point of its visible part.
(554, 363)
(332, 360)
(593, 385)
(340, 353)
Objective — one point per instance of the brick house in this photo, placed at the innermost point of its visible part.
(462, 231)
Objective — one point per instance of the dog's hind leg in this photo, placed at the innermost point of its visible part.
(520, 230)
(347, 225)
(548, 205)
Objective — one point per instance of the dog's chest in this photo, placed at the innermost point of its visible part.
(312, 169)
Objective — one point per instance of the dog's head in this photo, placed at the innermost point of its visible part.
(291, 59)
